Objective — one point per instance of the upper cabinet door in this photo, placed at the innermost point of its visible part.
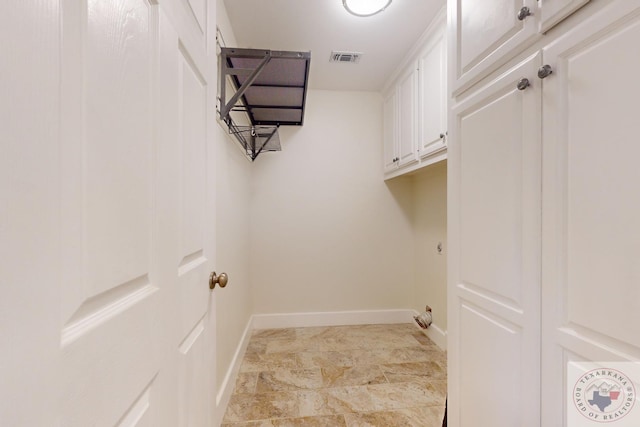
(390, 109)
(407, 117)
(484, 33)
(554, 11)
(432, 104)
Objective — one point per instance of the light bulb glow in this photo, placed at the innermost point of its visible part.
(365, 7)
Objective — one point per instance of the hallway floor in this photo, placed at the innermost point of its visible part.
(351, 376)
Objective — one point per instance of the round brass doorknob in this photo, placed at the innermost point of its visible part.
(221, 280)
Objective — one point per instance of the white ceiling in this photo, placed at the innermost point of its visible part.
(321, 26)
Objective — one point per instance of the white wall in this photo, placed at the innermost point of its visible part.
(233, 185)
(430, 227)
(327, 233)
(314, 228)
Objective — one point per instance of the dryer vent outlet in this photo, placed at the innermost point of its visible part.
(425, 319)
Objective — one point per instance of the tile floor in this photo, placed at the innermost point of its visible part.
(350, 376)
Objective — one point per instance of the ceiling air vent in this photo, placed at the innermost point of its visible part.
(353, 57)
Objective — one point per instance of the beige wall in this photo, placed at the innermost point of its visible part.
(232, 304)
(327, 233)
(430, 227)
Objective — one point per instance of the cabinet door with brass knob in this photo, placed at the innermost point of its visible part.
(495, 250)
(482, 47)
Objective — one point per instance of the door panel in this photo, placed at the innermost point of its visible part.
(199, 9)
(478, 329)
(494, 280)
(598, 212)
(485, 34)
(117, 161)
(108, 177)
(491, 205)
(192, 267)
(30, 211)
(591, 211)
(193, 377)
(139, 414)
(554, 11)
(109, 343)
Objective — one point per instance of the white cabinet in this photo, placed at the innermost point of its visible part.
(487, 33)
(432, 104)
(543, 224)
(400, 131)
(415, 107)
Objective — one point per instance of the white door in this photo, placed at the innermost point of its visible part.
(186, 112)
(591, 273)
(107, 216)
(494, 259)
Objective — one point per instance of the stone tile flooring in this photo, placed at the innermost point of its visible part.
(350, 376)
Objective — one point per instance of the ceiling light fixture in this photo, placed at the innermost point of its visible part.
(365, 7)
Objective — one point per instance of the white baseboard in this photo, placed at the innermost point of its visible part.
(437, 335)
(332, 318)
(229, 382)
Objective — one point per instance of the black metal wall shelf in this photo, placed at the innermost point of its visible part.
(256, 139)
(270, 88)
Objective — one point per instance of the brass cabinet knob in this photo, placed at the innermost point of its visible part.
(221, 280)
